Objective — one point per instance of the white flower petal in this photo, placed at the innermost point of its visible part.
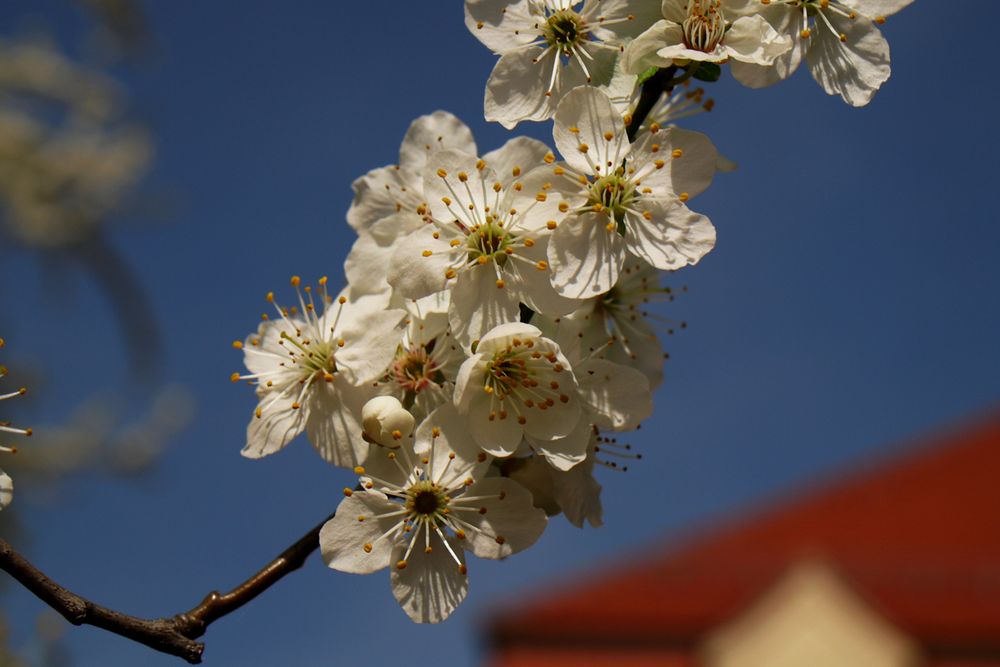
(431, 133)
(6, 489)
(412, 273)
(672, 238)
(343, 539)
(333, 423)
(586, 257)
(431, 585)
(536, 284)
(383, 192)
(368, 262)
(502, 25)
(641, 53)
(853, 68)
(616, 397)
(497, 436)
(369, 344)
(752, 39)
(503, 514)
(692, 172)
(579, 495)
(876, 8)
(276, 426)
(478, 305)
(452, 438)
(566, 452)
(588, 132)
(516, 157)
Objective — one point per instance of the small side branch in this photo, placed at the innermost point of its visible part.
(175, 635)
(652, 88)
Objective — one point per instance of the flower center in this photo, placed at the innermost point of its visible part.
(613, 192)
(415, 369)
(313, 357)
(427, 502)
(506, 372)
(489, 242)
(705, 25)
(565, 29)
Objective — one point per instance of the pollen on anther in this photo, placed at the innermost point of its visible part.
(608, 136)
(549, 158)
(583, 148)
(359, 470)
(348, 492)
(462, 176)
(296, 281)
(500, 539)
(436, 432)
(442, 173)
(235, 377)
(500, 283)
(805, 33)
(427, 253)
(237, 344)
(542, 265)
(367, 547)
(361, 518)
(551, 224)
(401, 565)
(462, 569)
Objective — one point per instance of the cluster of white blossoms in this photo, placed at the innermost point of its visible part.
(6, 483)
(492, 339)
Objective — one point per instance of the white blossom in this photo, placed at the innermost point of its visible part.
(518, 384)
(422, 373)
(419, 513)
(700, 31)
(389, 202)
(6, 483)
(618, 324)
(839, 39)
(313, 367)
(548, 47)
(486, 241)
(626, 198)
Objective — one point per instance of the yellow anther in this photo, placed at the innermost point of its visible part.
(449, 274)
(529, 242)
(551, 224)
(401, 565)
(367, 547)
(880, 20)
(676, 153)
(500, 283)
(235, 377)
(238, 344)
(659, 163)
(348, 492)
(558, 171)
(497, 187)
(296, 281)
(442, 173)
(647, 215)
(480, 165)
(608, 136)
(541, 196)
(583, 148)
(436, 432)
(341, 342)
(446, 200)
(654, 127)
(574, 130)
(684, 196)
(427, 253)
(515, 172)
(462, 176)
(805, 33)
(549, 158)
(359, 470)
(542, 265)
(482, 259)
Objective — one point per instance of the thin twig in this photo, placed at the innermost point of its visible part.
(174, 635)
(652, 88)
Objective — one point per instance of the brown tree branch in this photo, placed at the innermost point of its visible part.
(174, 635)
(661, 82)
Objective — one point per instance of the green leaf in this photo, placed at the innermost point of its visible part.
(648, 74)
(707, 72)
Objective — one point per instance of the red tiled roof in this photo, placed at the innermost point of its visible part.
(918, 537)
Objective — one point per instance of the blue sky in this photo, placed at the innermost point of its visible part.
(849, 307)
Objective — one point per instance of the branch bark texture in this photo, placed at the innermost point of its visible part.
(174, 635)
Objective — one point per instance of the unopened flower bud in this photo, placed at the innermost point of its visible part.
(386, 421)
